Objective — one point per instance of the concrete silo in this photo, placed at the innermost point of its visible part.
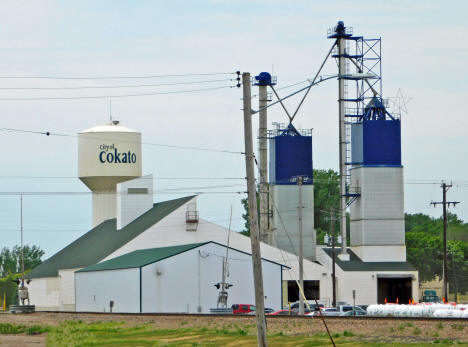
(291, 157)
(377, 217)
(108, 155)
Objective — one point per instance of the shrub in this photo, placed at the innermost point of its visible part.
(36, 329)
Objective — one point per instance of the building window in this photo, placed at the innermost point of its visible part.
(137, 191)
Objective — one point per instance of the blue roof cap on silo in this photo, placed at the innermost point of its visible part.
(263, 79)
(290, 131)
(375, 110)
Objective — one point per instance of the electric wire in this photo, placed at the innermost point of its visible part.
(141, 178)
(115, 95)
(115, 77)
(47, 133)
(87, 230)
(457, 183)
(286, 87)
(64, 193)
(117, 86)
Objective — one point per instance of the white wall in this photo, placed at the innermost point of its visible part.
(131, 206)
(44, 293)
(67, 289)
(104, 206)
(285, 220)
(185, 282)
(381, 253)
(377, 216)
(171, 231)
(364, 282)
(94, 290)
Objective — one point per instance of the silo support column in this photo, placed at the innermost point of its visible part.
(263, 165)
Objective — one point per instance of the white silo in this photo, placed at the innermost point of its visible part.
(107, 155)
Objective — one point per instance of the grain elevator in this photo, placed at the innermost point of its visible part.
(290, 159)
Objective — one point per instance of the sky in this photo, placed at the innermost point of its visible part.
(423, 53)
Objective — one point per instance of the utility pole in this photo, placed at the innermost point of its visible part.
(263, 171)
(300, 180)
(22, 248)
(444, 204)
(332, 233)
(252, 198)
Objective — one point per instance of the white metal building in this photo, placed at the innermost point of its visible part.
(165, 224)
(173, 279)
(126, 220)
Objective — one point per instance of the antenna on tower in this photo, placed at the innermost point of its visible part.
(110, 110)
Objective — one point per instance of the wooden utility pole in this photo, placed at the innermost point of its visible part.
(444, 204)
(332, 233)
(252, 198)
(22, 247)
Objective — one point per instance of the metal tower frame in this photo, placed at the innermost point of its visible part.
(365, 55)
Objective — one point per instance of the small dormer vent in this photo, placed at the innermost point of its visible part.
(191, 217)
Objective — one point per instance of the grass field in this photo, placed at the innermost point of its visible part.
(124, 330)
(117, 334)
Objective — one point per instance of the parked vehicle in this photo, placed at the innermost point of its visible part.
(430, 296)
(283, 313)
(313, 306)
(243, 309)
(269, 310)
(357, 312)
(341, 310)
(364, 307)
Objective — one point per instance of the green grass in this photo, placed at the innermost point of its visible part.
(118, 334)
(7, 328)
(81, 334)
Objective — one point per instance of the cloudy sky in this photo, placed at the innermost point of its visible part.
(424, 54)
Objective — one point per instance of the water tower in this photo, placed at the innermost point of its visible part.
(107, 155)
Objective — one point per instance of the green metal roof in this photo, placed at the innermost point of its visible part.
(148, 256)
(102, 240)
(141, 257)
(356, 264)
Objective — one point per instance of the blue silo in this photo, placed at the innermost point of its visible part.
(377, 221)
(290, 155)
(376, 139)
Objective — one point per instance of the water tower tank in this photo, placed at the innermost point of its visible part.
(107, 155)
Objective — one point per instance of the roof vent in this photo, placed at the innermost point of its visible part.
(191, 217)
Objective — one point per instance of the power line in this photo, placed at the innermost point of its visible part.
(141, 178)
(409, 182)
(114, 77)
(113, 96)
(186, 190)
(117, 86)
(48, 133)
